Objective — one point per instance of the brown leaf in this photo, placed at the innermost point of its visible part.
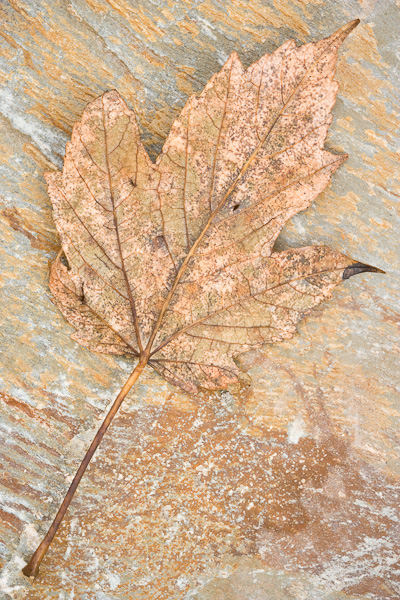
(174, 261)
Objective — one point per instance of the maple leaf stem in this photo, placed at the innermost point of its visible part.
(32, 568)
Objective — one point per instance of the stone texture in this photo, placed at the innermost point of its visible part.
(285, 489)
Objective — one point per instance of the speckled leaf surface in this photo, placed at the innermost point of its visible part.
(176, 258)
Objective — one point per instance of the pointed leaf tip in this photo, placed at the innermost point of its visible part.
(348, 28)
(353, 24)
(342, 33)
(233, 57)
(357, 268)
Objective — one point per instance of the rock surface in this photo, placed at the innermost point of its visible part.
(285, 489)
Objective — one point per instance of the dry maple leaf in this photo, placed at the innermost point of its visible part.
(173, 262)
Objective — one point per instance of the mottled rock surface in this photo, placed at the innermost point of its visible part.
(287, 489)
